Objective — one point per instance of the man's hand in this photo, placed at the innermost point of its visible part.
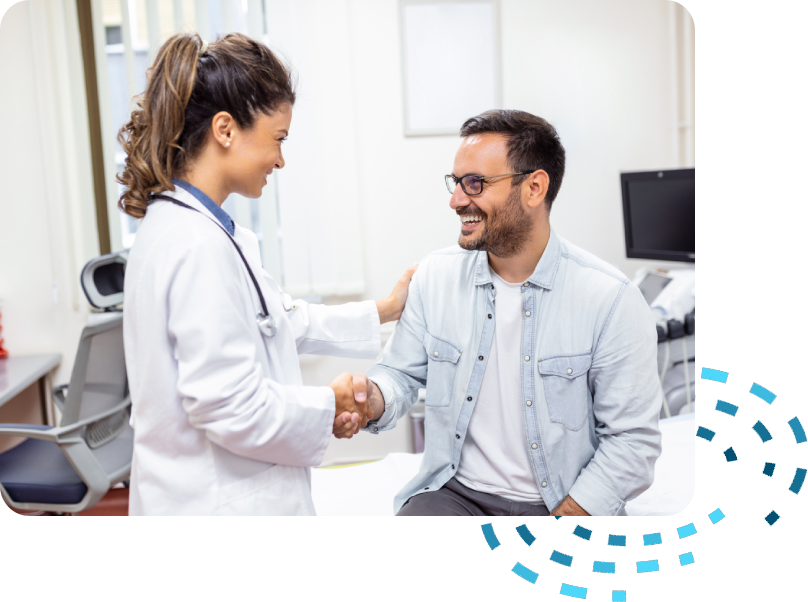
(390, 309)
(366, 390)
(350, 414)
(569, 507)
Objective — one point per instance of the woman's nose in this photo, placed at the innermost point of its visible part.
(280, 162)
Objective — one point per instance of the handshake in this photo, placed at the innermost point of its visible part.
(358, 400)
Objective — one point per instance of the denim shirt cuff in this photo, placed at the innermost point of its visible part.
(593, 497)
(386, 422)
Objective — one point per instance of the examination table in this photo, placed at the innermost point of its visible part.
(369, 489)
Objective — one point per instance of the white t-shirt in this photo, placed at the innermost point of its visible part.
(494, 458)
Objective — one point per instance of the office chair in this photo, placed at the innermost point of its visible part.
(70, 467)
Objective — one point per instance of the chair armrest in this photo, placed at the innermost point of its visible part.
(30, 431)
(59, 394)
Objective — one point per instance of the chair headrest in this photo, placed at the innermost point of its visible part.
(102, 280)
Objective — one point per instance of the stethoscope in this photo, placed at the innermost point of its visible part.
(266, 323)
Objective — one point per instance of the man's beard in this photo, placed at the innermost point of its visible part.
(505, 230)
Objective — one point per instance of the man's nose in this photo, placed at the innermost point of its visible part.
(459, 198)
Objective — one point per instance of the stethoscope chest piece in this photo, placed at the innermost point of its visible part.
(266, 324)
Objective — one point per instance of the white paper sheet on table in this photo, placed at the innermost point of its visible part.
(369, 489)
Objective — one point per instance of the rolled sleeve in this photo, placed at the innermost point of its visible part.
(627, 399)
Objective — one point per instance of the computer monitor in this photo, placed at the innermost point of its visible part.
(659, 214)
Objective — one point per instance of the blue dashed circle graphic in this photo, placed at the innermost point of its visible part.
(655, 539)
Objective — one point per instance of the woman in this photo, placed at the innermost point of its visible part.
(222, 422)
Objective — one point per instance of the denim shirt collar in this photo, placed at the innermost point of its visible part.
(543, 275)
(219, 213)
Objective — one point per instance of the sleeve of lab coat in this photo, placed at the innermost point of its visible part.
(220, 378)
(347, 330)
(627, 399)
(402, 369)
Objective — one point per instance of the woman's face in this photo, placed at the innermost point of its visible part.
(254, 153)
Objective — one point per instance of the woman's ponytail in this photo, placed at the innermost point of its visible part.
(150, 138)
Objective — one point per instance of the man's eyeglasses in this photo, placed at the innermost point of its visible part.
(473, 185)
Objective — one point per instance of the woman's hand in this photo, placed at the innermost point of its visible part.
(390, 309)
(352, 411)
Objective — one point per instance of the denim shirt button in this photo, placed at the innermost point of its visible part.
(527, 358)
(527, 313)
(526, 284)
(529, 403)
(544, 483)
(534, 446)
(569, 370)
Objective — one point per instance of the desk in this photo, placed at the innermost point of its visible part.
(24, 395)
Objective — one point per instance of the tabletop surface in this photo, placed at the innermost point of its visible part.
(19, 372)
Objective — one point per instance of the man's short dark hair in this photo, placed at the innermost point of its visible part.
(532, 144)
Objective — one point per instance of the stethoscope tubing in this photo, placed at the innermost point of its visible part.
(266, 322)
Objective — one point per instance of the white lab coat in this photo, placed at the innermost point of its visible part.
(222, 421)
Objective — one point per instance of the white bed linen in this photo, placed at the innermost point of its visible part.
(369, 489)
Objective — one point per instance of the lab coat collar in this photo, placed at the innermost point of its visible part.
(543, 275)
(189, 199)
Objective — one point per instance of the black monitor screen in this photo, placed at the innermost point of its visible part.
(659, 212)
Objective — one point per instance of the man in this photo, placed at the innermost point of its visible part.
(539, 359)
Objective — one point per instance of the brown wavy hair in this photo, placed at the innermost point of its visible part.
(185, 90)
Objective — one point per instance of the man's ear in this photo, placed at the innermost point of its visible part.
(538, 182)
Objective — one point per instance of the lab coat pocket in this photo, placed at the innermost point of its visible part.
(441, 370)
(565, 387)
(279, 491)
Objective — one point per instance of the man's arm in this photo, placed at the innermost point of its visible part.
(627, 398)
(393, 382)
(569, 507)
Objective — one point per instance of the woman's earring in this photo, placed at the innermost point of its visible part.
(227, 143)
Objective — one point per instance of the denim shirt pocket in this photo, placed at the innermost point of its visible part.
(441, 370)
(565, 387)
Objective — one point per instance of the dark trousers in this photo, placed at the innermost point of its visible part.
(454, 499)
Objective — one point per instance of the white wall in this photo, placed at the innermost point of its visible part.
(47, 216)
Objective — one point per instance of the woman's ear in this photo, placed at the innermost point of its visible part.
(223, 127)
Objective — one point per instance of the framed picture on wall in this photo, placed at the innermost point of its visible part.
(450, 59)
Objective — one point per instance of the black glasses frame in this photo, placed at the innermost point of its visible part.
(450, 178)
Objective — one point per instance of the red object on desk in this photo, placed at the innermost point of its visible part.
(3, 350)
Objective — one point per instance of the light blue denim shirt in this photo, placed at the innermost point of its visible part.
(590, 392)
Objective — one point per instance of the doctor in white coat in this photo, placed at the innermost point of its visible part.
(222, 421)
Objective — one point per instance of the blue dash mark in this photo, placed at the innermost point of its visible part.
(648, 566)
(762, 431)
(685, 559)
(603, 567)
(772, 517)
(763, 393)
(573, 592)
(799, 479)
(716, 375)
(618, 595)
(617, 540)
(560, 558)
(525, 534)
(557, 517)
(686, 531)
(716, 515)
(727, 408)
(799, 432)
(651, 539)
(582, 533)
(768, 470)
(730, 455)
(525, 573)
(490, 537)
(705, 433)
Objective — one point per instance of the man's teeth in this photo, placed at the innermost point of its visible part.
(470, 218)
